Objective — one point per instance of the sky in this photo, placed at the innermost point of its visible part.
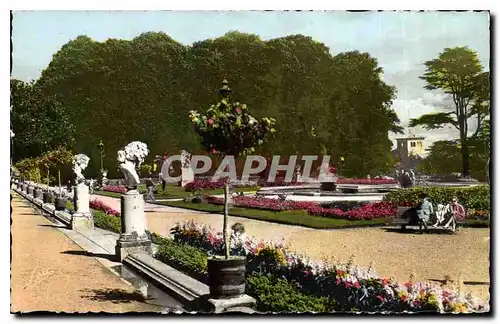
(401, 41)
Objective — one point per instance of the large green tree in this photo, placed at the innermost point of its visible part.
(361, 115)
(457, 72)
(39, 122)
(141, 89)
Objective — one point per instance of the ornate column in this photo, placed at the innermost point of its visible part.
(134, 236)
(81, 217)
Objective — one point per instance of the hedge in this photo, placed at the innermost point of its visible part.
(472, 197)
(106, 222)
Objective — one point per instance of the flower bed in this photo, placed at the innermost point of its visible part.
(368, 211)
(118, 189)
(207, 184)
(99, 205)
(366, 181)
(278, 182)
(347, 287)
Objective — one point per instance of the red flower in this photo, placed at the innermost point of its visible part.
(357, 285)
(384, 282)
(404, 298)
(380, 298)
(213, 151)
(340, 272)
(187, 232)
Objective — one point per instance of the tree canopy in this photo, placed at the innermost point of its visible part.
(458, 72)
(142, 89)
(40, 123)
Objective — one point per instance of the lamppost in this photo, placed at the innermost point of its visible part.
(100, 146)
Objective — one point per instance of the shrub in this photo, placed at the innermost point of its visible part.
(473, 197)
(107, 222)
(186, 258)
(279, 295)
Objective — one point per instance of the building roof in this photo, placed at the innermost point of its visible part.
(410, 138)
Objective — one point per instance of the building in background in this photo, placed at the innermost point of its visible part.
(409, 151)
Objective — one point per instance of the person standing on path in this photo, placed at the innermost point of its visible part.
(150, 185)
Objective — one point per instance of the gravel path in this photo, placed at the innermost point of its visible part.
(429, 256)
(44, 278)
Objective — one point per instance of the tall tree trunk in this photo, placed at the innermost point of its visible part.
(226, 214)
(465, 156)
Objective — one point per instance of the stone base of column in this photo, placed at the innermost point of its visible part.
(243, 304)
(82, 221)
(128, 244)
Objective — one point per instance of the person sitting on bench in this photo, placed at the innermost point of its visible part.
(425, 210)
(457, 211)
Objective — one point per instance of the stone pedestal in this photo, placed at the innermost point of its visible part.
(133, 237)
(243, 303)
(187, 176)
(39, 194)
(82, 217)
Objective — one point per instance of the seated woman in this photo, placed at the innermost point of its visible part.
(457, 212)
(425, 210)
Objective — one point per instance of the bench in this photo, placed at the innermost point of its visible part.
(404, 216)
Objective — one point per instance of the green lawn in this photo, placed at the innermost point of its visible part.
(292, 217)
(174, 191)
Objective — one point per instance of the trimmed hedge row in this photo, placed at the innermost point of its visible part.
(106, 222)
(477, 198)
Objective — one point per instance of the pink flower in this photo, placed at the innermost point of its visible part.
(357, 285)
(348, 284)
(213, 151)
(238, 110)
(380, 298)
(210, 122)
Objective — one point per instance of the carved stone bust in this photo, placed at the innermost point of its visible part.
(129, 159)
(80, 163)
